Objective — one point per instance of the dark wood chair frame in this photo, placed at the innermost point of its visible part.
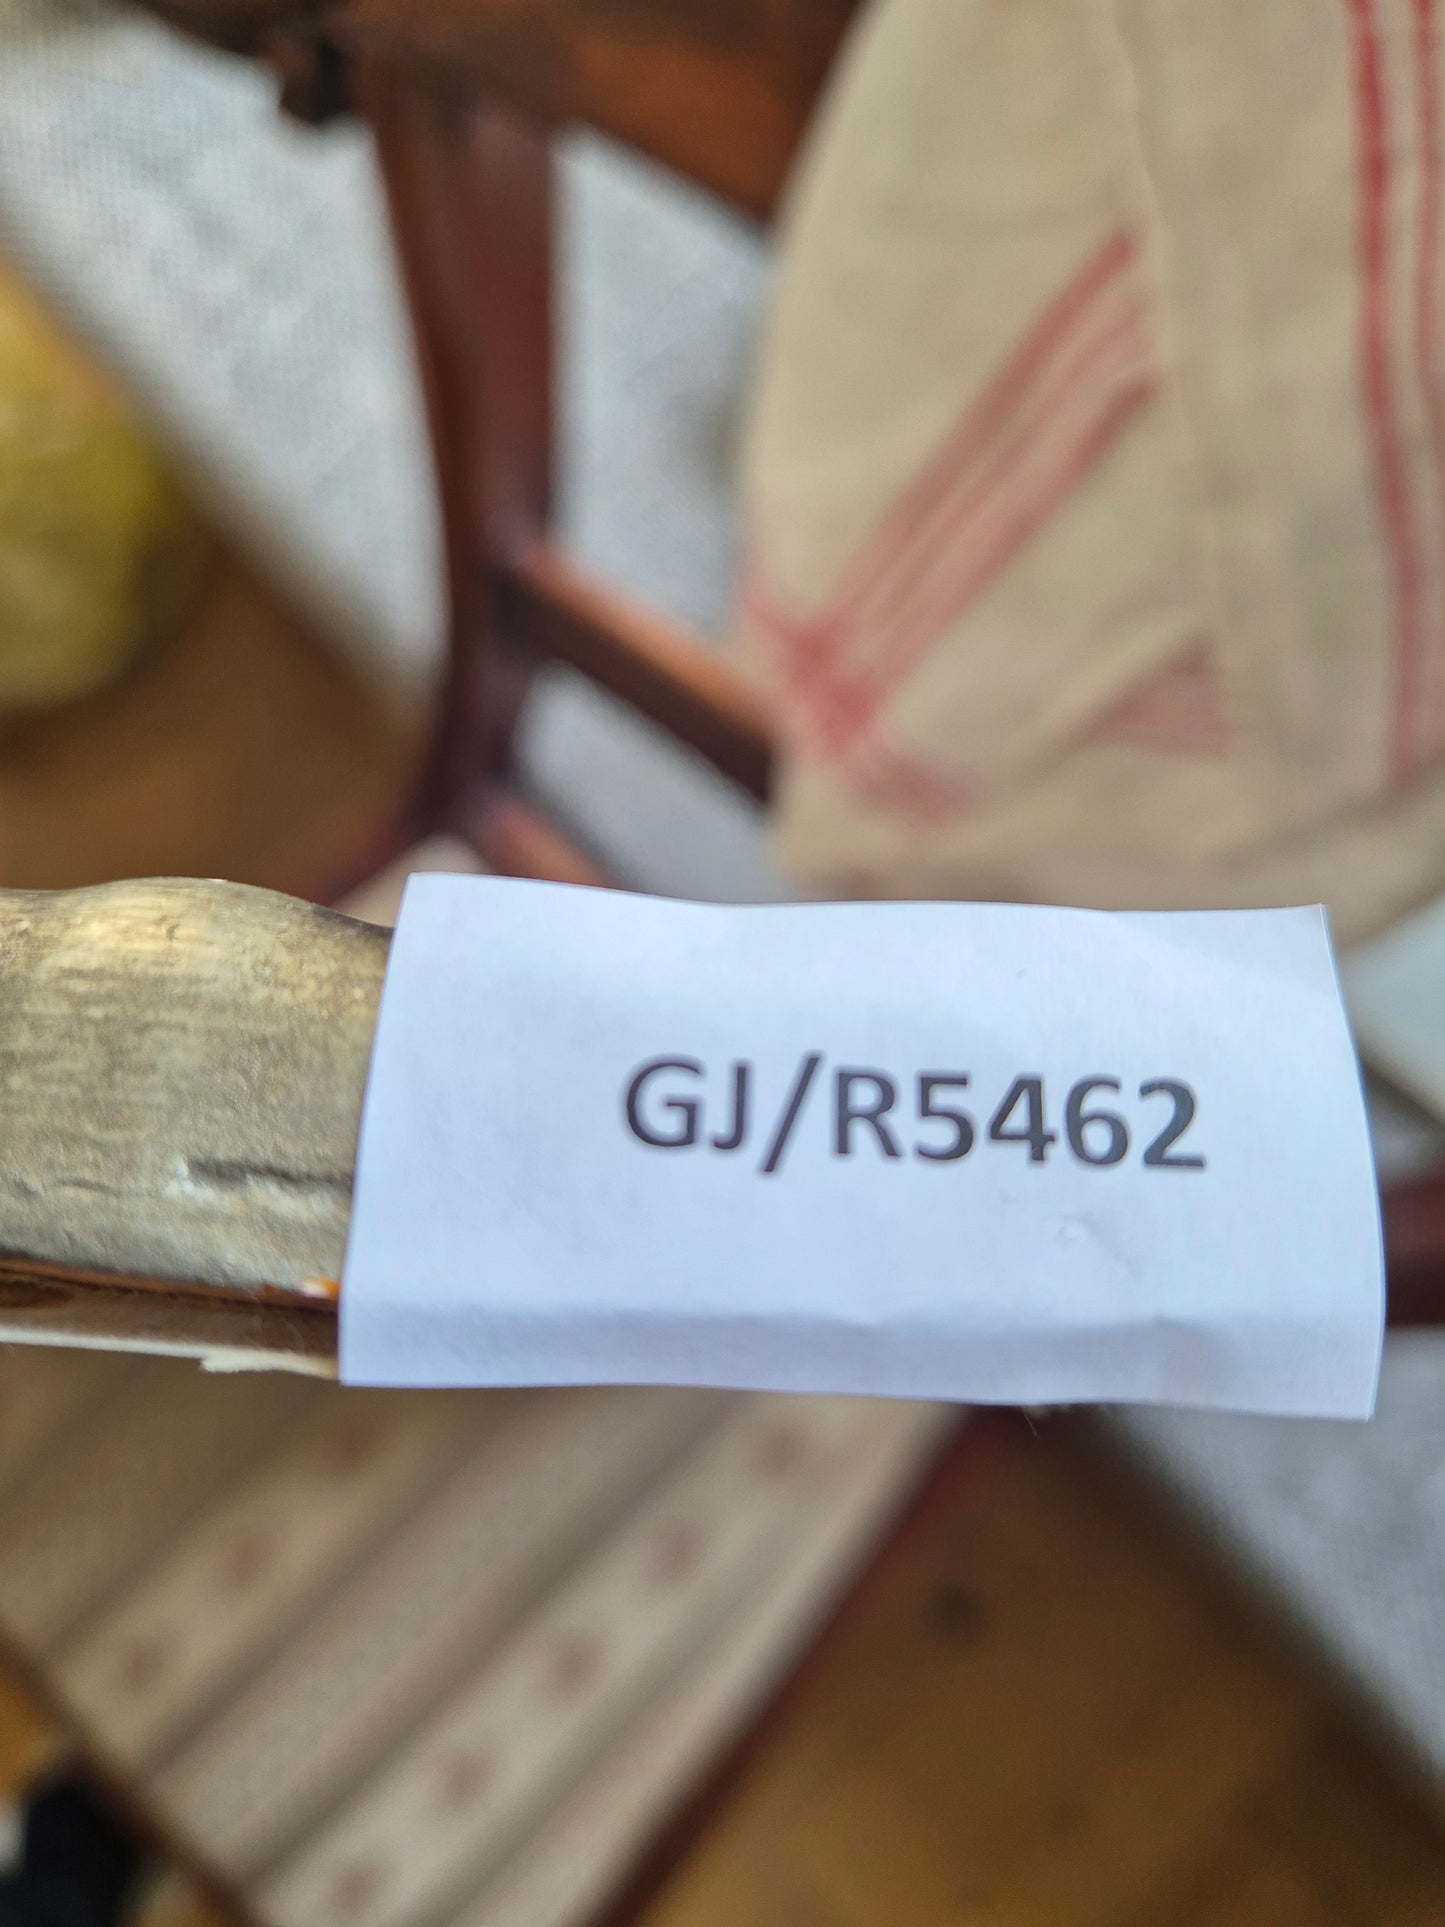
(464, 103)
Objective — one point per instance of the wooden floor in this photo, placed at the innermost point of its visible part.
(238, 750)
(1061, 1716)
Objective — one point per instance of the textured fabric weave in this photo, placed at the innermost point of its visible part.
(1097, 468)
(384, 1659)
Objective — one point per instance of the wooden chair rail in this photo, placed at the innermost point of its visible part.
(557, 613)
(182, 1067)
(718, 89)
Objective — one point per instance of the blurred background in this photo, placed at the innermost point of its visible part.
(1140, 1668)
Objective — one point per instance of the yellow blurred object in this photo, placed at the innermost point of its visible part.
(99, 552)
(30, 1741)
(168, 1900)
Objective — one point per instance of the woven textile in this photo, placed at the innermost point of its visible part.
(389, 1659)
(1097, 472)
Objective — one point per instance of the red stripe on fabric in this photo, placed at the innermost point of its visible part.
(1427, 301)
(874, 770)
(891, 544)
(1179, 709)
(839, 707)
(805, 642)
(1377, 376)
(834, 702)
(763, 610)
(845, 700)
(908, 786)
(805, 655)
(760, 606)
(889, 547)
(981, 568)
(1119, 350)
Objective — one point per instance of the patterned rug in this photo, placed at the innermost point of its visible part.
(394, 1660)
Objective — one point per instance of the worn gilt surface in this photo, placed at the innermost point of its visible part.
(181, 1074)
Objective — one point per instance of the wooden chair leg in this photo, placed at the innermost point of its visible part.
(1414, 1225)
(470, 191)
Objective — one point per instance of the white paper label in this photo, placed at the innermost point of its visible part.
(965, 1151)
